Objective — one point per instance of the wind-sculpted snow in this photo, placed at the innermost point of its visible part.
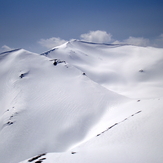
(46, 107)
(117, 67)
(82, 102)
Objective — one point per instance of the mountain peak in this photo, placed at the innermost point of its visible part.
(78, 97)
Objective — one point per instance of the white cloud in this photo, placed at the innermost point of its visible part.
(96, 36)
(51, 42)
(102, 37)
(158, 42)
(139, 41)
(5, 48)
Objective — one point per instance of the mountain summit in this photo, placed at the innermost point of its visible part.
(82, 102)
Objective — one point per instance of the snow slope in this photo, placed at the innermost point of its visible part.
(82, 102)
(136, 139)
(129, 70)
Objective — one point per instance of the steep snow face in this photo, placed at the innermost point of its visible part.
(128, 70)
(47, 105)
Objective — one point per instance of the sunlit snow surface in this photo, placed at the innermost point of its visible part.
(82, 102)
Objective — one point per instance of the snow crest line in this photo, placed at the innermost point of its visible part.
(118, 123)
(10, 51)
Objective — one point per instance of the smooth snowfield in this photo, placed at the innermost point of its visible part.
(82, 102)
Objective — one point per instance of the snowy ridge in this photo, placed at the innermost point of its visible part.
(10, 51)
(120, 69)
(81, 102)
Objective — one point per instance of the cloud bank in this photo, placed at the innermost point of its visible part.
(99, 36)
(96, 36)
(138, 41)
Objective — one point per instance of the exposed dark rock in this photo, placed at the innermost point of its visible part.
(38, 161)
(112, 126)
(46, 53)
(10, 123)
(21, 75)
(35, 158)
(141, 70)
(55, 63)
(118, 123)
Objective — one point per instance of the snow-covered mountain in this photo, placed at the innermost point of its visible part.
(82, 102)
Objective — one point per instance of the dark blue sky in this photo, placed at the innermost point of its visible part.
(24, 23)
